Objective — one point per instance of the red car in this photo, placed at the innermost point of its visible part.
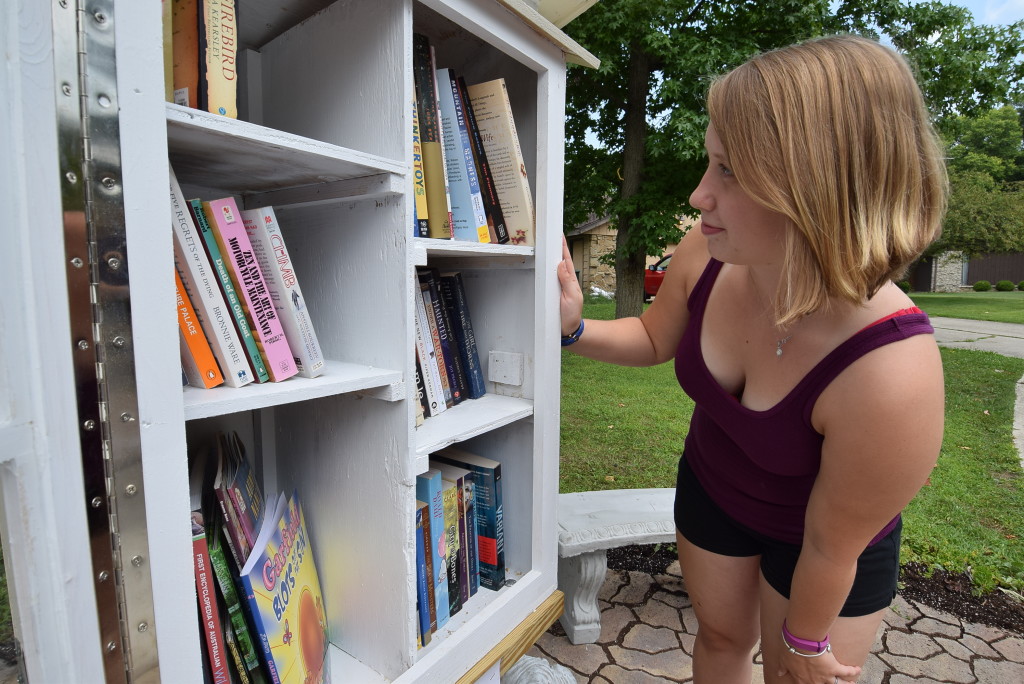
(653, 276)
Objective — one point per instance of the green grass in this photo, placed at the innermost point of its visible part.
(624, 428)
(1001, 307)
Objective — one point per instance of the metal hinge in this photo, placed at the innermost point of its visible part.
(101, 335)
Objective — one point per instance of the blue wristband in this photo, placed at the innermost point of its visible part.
(573, 338)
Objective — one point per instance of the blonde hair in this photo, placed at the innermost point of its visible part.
(834, 134)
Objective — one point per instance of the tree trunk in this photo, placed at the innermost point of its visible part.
(629, 264)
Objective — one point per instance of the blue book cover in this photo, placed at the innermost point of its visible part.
(469, 222)
(453, 294)
(428, 489)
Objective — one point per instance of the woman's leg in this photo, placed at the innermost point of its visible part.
(851, 637)
(724, 593)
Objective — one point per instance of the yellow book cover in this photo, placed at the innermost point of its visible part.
(219, 94)
(283, 591)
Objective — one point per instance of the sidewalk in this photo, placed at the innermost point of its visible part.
(648, 625)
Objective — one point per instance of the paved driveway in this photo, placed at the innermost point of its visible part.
(1002, 338)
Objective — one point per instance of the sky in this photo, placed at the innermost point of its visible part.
(993, 11)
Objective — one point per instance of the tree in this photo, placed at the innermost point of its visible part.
(635, 126)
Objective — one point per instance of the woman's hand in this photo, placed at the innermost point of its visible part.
(571, 301)
(821, 669)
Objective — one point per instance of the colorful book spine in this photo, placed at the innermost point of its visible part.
(427, 355)
(497, 127)
(492, 205)
(422, 578)
(472, 535)
(468, 220)
(439, 224)
(236, 614)
(435, 308)
(450, 496)
(241, 323)
(200, 282)
(218, 88)
(428, 488)
(462, 479)
(268, 243)
(421, 226)
(209, 615)
(197, 360)
(226, 221)
(453, 292)
(185, 51)
(435, 337)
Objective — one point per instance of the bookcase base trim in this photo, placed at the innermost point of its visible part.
(520, 639)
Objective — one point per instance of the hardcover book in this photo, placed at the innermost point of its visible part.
(206, 593)
(285, 600)
(439, 224)
(468, 219)
(226, 221)
(489, 514)
(428, 489)
(267, 241)
(200, 284)
(231, 298)
(453, 293)
(197, 360)
(493, 113)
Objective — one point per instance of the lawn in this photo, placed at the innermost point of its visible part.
(624, 428)
(1001, 307)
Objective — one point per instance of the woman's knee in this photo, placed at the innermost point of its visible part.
(736, 638)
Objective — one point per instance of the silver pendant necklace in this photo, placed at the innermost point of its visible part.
(779, 343)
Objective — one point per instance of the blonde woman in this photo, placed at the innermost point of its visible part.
(817, 385)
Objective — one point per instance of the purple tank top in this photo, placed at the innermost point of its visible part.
(760, 466)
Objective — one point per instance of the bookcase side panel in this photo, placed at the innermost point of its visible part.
(337, 77)
(344, 455)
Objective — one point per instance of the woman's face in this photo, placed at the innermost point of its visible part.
(738, 229)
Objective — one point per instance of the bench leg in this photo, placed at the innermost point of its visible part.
(580, 578)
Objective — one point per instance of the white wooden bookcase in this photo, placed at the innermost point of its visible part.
(323, 136)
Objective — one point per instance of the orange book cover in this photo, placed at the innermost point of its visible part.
(197, 358)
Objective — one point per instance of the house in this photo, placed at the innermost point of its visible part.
(951, 272)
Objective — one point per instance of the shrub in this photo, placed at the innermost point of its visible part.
(1020, 286)
(1005, 286)
(904, 285)
(982, 286)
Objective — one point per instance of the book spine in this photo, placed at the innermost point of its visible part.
(200, 284)
(428, 564)
(476, 199)
(185, 50)
(464, 562)
(236, 654)
(428, 488)
(429, 278)
(226, 221)
(422, 600)
(252, 351)
(232, 528)
(501, 143)
(260, 629)
(427, 358)
(208, 613)
(421, 393)
(421, 225)
(439, 223)
(451, 527)
(445, 315)
(435, 337)
(472, 539)
(492, 205)
(226, 582)
(268, 243)
(454, 294)
(218, 93)
(464, 217)
(197, 358)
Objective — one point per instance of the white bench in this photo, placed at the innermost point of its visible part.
(590, 523)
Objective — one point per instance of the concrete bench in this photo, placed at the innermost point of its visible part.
(590, 523)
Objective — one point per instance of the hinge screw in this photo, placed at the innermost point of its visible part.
(137, 561)
(64, 3)
(108, 182)
(114, 263)
(143, 627)
(103, 101)
(130, 490)
(72, 178)
(119, 342)
(103, 576)
(111, 647)
(100, 17)
(65, 88)
(96, 502)
(83, 344)
(77, 262)
(89, 424)
(126, 418)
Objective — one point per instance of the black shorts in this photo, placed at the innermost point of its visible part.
(707, 526)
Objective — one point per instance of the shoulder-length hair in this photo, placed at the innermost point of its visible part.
(834, 134)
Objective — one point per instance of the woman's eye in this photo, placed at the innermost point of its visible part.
(725, 170)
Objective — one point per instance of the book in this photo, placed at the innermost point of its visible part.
(497, 127)
(231, 298)
(226, 221)
(489, 514)
(200, 282)
(452, 363)
(197, 360)
(450, 497)
(421, 226)
(427, 356)
(185, 52)
(282, 588)
(428, 489)
(463, 483)
(439, 224)
(421, 394)
(223, 475)
(167, 23)
(268, 244)
(422, 576)
(206, 593)
(243, 489)
(468, 219)
(218, 44)
(496, 227)
(453, 293)
(472, 536)
(439, 351)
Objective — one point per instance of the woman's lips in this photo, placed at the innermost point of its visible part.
(708, 229)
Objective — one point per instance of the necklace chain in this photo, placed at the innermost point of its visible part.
(779, 343)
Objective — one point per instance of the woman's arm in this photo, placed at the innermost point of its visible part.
(649, 339)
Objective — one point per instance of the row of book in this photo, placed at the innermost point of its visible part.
(469, 175)
(460, 535)
(260, 603)
(201, 54)
(241, 314)
(447, 361)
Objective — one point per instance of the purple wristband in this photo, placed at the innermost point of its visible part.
(816, 647)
